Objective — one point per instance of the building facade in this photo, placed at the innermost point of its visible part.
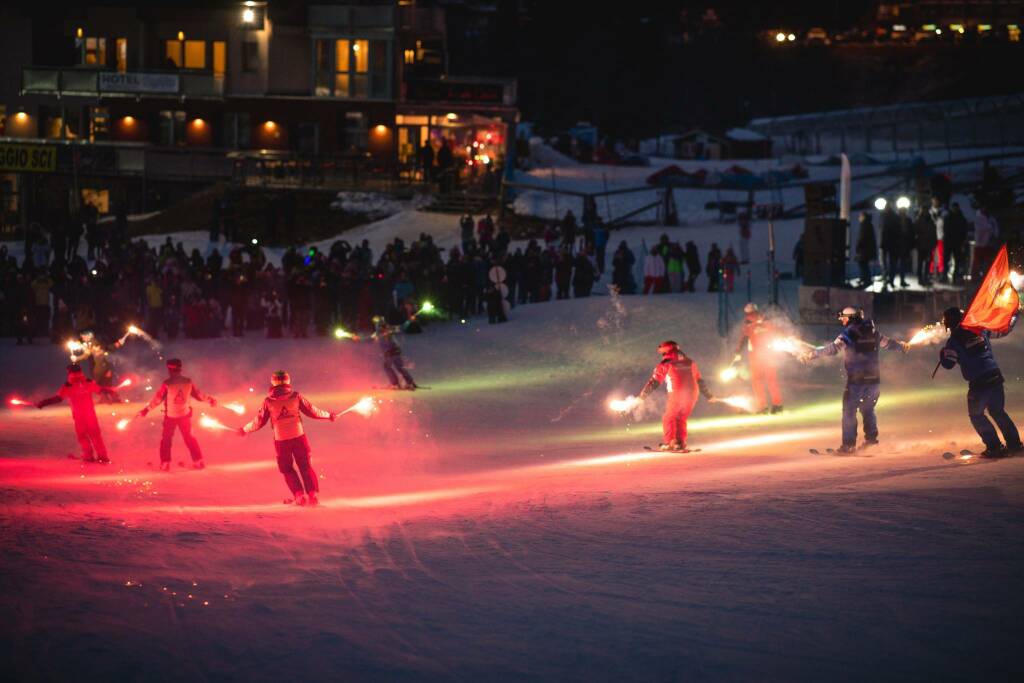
(191, 91)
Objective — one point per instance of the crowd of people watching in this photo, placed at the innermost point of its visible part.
(58, 291)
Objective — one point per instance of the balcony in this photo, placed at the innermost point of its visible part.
(77, 82)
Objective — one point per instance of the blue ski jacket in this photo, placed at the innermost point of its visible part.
(973, 352)
(860, 342)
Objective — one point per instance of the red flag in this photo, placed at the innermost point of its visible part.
(996, 301)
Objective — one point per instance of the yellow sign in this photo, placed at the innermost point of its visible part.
(33, 158)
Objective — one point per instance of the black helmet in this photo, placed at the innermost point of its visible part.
(667, 347)
(280, 377)
(951, 317)
(174, 365)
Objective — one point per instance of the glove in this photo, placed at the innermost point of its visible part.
(737, 358)
(805, 357)
(905, 346)
(39, 405)
(334, 416)
(950, 355)
(240, 431)
(143, 412)
(213, 402)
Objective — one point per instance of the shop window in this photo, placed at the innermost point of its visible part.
(173, 58)
(98, 198)
(220, 58)
(195, 54)
(121, 47)
(172, 127)
(250, 56)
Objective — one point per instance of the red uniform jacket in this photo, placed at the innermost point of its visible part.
(282, 408)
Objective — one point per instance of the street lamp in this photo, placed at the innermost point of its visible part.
(903, 202)
(880, 203)
(248, 16)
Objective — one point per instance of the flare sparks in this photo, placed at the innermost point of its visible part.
(365, 406)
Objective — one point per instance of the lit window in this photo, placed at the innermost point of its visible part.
(172, 54)
(410, 56)
(195, 54)
(95, 51)
(220, 58)
(122, 54)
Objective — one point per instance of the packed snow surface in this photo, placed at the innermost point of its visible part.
(503, 525)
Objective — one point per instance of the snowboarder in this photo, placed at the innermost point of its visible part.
(78, 391)
(284, 408)
(176, 393)
(757, 337)
(392, 354)
(972, 350)
(682, 380)
(860, 341)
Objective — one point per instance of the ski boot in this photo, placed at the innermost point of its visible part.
(88, 458)
(198, 464)
(313, 500)
(846, 448)
(103, 460)
(672, 446)
(1014, 449)
(998, 452)
(664, 446)
(165, 466)
(763, 411)
(300, 500)
(776, 409)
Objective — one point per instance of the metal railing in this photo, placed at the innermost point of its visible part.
(62, 81)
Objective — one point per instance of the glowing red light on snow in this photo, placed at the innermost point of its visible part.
(623, 405)
(19, 402)
(123, 423)
(236, 408)
(365, 406)
(745, 403)
(207, 422)
(126, 382)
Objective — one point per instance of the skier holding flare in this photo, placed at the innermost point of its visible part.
(391, 353)
(78, 391)
(176, 394)
(682, 381)
(284, 408)
(757, 336)
(859, 341)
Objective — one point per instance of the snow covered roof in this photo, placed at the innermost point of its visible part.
(744, 135)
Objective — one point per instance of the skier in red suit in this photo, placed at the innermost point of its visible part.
(681, 377)
(284, 408)
(757, 336)
(78, 391)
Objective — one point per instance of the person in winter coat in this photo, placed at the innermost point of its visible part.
(714, 267)
(730, 269)
(654, 272)
(176, 394)
(622, 269)
(757, 336)
(563, 273)
(78, 391)
(891, 245)
(972, 350)
(938, 213)
(926, 240)
(284, 408)
(954, 237)
(466, 225)
(866, 249)
(392, 354)
(692, 266)
(908, 242)
(674, 268)
(860, 342)
(986, 242)
(681, 377)
(600, 244)
(584, 273)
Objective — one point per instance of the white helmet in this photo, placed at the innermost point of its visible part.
(852, 312)
(751, 307)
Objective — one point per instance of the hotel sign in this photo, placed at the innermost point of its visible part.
(138, 82)
(446, 91)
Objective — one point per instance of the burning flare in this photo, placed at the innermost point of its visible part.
(123, 423)
(929, 334)
(236, 408)
(1016, 279)
(126, 382)
(207, 422)
(744, 403)
(340, 333)
(623, 405)
(19, 402)
(791, 345)
(729, 373)
(365, 406)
